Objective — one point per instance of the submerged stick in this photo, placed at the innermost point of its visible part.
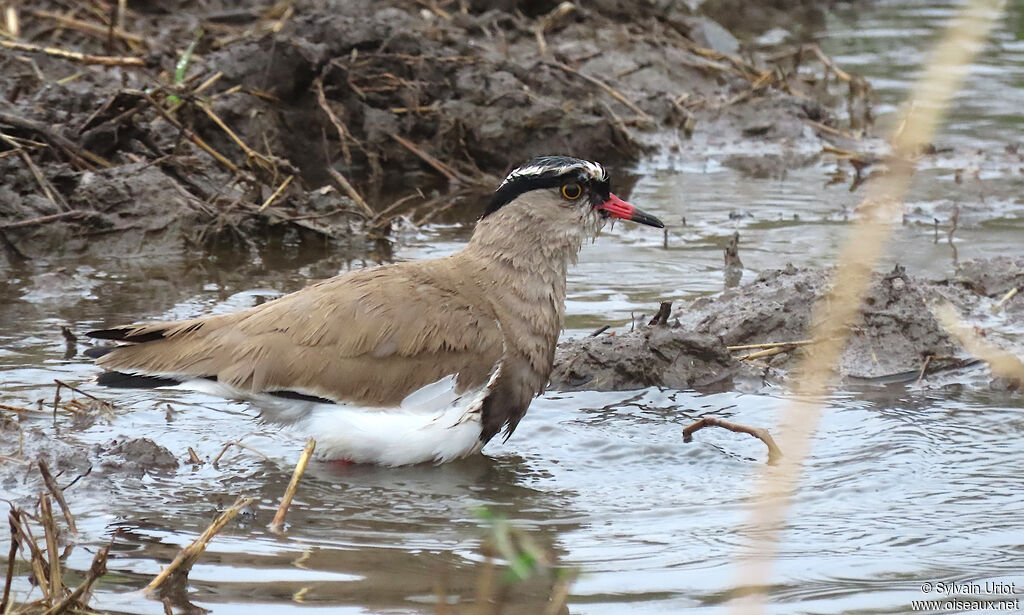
(774, 453)
(183, 562)
(278, 523)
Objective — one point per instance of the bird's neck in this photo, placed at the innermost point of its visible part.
(533, 246)
(520, 264)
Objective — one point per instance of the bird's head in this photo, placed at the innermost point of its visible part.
(563, 191)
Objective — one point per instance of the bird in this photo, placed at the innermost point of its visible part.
(403, 363)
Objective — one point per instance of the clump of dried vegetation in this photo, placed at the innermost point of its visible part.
(43, 549)
(275, 118)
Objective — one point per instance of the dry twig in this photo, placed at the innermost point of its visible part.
(239, 445)
(250, 153)
(774, 453)
(350, 190)
(343, 134)
(439, 166)
(279, 190)
(84, 58)
(604, 86)
(80, 156)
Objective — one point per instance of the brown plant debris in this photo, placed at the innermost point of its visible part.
(774, 453)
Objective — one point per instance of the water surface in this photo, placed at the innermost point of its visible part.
(903, 486)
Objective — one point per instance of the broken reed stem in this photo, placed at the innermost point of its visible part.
(762, 434)
(279, 190)
(44, 185)
(53, 556)
(185, 559)
(829, 64)
(96, 570)
(58, 494)
(84, 58)
(834, 313)
(1001, 362)
(289, 493)
(768, 352)
(35, 556)
(249, 152)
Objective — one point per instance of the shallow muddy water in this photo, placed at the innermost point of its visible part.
(904, 486)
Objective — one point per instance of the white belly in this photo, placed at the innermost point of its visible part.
(431, 425)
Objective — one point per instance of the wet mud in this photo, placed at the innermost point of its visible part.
(318, 119)
(896, 339)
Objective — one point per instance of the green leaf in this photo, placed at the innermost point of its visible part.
(181, 68)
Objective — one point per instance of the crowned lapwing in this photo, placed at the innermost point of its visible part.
(408, 362)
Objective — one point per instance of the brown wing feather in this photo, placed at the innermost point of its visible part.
(370, 336)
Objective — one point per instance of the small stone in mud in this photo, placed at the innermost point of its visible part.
(139, 456)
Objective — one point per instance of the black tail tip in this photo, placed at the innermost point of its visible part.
(96, 352)
(121, 380)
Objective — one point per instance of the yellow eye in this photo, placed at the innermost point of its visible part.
(572, 191)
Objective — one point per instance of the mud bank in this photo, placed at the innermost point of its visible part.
(897, 338)
(315, 119)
